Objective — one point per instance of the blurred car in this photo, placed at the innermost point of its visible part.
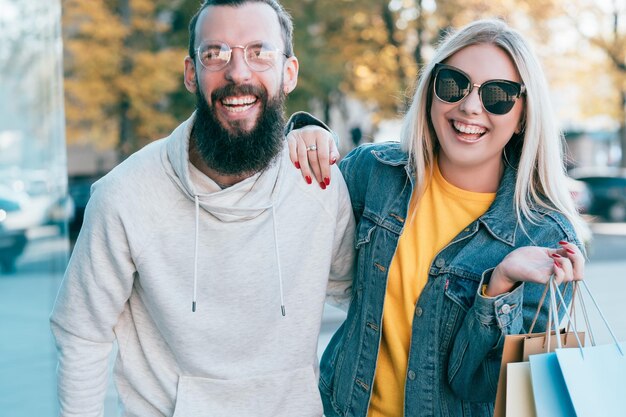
(608, 190)
(16, 217)
(581, 194)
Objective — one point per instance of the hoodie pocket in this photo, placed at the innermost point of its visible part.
(284, 394)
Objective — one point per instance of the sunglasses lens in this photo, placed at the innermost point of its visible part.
(498, 97)
(451, 86)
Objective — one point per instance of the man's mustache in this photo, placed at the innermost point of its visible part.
(230, 90)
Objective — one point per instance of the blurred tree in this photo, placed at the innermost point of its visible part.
(605, 28)
(120, 72)
(373, 49)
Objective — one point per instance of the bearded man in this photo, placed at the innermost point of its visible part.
(203, 255)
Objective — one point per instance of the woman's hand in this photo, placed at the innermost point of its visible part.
(537, 264)
(312, 149)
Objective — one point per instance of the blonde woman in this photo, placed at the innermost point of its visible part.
(460, 225)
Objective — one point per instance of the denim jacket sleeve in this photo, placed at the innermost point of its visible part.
(482, 336)
(474, 365)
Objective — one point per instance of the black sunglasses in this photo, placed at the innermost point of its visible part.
(498, 97)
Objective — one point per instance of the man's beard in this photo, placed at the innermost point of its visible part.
(233, 150)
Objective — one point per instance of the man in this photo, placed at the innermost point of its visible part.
(204, 255)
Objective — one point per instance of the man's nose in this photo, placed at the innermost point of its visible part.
(237, 70)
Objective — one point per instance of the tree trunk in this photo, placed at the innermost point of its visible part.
(126, 143)
(390, 26)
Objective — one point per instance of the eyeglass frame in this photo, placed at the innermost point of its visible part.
(230, 56)
(439, 66)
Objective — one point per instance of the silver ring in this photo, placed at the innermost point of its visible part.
(311, 148)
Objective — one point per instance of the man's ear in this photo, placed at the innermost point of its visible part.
(290, 74)
(190, 75)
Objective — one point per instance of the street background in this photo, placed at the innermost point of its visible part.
(84, 84)
(28, 356)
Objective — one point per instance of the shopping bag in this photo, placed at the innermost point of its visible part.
(595, 379)
(519, 392)
(549, 391)
(517, 347)
(595, 376)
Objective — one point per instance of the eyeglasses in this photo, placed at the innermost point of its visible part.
(259, 55)
(498, 97)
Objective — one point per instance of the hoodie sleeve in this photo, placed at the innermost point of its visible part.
(96, 286)
(339, 290)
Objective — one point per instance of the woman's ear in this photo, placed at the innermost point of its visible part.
(521, 126)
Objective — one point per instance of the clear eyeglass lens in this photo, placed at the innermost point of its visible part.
(258, 55)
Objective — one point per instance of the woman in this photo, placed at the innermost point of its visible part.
(459, 228)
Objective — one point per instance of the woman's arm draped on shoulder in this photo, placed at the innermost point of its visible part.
(312, 147)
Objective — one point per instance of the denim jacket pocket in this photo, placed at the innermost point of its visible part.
(461, 289)
(460, 292)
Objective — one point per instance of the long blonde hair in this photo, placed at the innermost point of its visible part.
(541, 172)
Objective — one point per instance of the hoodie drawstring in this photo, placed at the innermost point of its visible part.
(195, 256)
(280, 275)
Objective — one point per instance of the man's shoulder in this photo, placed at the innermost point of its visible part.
(133, 177)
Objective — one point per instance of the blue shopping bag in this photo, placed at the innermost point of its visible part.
(552, 398)
(595, 376)
(550, 393)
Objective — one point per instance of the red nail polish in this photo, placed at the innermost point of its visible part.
(332, 161)
(562, 242)
(326, 180)
(555, 255)
(323, 185)
(308, 179)
(557, 264)
(568, 250)
(297, 164)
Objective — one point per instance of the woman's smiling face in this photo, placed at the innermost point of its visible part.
(471, 139)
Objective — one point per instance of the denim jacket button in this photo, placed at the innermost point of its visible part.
(506, 309)
(411, 375)
(418, 311)
(439, 263)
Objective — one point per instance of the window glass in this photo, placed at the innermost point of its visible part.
(34, 204)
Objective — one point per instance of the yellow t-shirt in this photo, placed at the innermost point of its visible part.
(443, 212)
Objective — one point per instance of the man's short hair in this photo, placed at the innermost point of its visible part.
(286, 24)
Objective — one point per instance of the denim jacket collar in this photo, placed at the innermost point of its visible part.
(501, 227)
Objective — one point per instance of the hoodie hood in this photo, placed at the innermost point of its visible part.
(240, 202)
(243, 201)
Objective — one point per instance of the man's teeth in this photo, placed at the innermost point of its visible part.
(469, 129)
(239, 101)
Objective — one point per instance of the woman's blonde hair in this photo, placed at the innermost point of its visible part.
(541, 173)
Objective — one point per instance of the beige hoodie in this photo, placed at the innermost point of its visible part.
(157, 235)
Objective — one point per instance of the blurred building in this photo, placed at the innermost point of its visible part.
(599, 148)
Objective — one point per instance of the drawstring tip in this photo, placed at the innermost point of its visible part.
(193, 307)
(282, 308)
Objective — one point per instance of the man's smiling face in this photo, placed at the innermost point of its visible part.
(236, 93)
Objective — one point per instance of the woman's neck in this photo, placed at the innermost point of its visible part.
(483, 178)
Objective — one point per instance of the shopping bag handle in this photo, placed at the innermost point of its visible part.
(540, 304)
(606, 323)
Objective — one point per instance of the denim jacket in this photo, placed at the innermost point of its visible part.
(457, 334)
